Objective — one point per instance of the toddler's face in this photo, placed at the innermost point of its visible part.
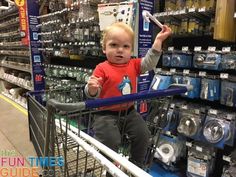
(118, 46)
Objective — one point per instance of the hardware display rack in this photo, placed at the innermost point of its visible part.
(15, 65)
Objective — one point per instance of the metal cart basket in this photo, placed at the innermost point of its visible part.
(60, 126)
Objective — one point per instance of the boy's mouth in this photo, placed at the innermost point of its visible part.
(119, 56)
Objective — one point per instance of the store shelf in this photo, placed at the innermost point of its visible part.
(20, 68)
(16, 83)
(15, 100)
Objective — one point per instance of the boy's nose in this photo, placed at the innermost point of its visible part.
(120, 49)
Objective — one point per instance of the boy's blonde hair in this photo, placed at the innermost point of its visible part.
(120, 25)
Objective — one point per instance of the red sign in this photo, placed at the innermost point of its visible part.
(22, 6)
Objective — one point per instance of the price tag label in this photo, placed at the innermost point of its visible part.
(202, 73)
(192, 9)
(230, 117)
(198, 148)
(226, 158)
(197, 48)
(224, 75)
(185, 48)
(165, 14)
(213, 111)
(203, 9)
(171, 48)
(189, 144)
(168, 133)
(186, 71)
(182, 11)
(158, 70)
(172, 105)
(226, 49)
(173, 70)
(211, 48)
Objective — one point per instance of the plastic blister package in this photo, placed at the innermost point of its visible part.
(181, 59)
(161, 81)
(195, 82)
(210, 88)
(228, 92)
(200, 162)
(229, 61)
(166, 59)
(207, 60)
(219, 129)
(169, 150)
(191, 121)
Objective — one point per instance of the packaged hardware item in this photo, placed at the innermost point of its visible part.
(207, 60)
(228, 92)
(210, 88)
(219, 128)
(201, 160)
(229, 61)
(191, 120)
(181, 59)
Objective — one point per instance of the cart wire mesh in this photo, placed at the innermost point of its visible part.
(63, 128)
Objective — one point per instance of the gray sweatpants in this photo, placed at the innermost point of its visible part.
(107, 130)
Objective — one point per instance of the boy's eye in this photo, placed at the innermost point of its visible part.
(126, 46)
(113, 45)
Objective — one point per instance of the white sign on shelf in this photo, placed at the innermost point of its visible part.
(202, 73)
(224, 75)
(226, 49)
(197, 48)
(170, 48)
(211, 48)
(185, 48)
(203, 9)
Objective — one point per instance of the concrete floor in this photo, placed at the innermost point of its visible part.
(14, 134)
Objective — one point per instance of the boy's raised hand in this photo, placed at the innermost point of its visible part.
(93, 85)
(160, 37)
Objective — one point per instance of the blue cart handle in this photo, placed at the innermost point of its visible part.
(175, 89)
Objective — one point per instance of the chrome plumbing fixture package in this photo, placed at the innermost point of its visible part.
(229, 61)
(166, 59)
(191, 122)
(169, 150)
(210, 88)
(201, 160)
(161, 80)
(207, 60)
(195, 81)
(219, 128)
(228, 92)
(181, 59)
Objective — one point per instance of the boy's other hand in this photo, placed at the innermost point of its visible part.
(93, 85)
(160, 37)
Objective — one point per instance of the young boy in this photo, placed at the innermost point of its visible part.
(116, 77)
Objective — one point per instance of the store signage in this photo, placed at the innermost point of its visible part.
(145, 28)
(35, 54)
(22, 7)
(145, 31)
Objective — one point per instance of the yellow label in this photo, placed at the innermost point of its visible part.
(20, 3)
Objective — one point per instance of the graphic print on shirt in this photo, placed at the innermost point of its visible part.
(125, 86)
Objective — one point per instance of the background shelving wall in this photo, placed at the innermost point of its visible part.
(15, 64)
(205, 24)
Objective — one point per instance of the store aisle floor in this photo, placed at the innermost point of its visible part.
(14, 134)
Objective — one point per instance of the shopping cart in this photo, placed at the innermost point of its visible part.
(63, 129)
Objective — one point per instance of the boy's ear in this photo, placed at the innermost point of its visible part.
(104, 51)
